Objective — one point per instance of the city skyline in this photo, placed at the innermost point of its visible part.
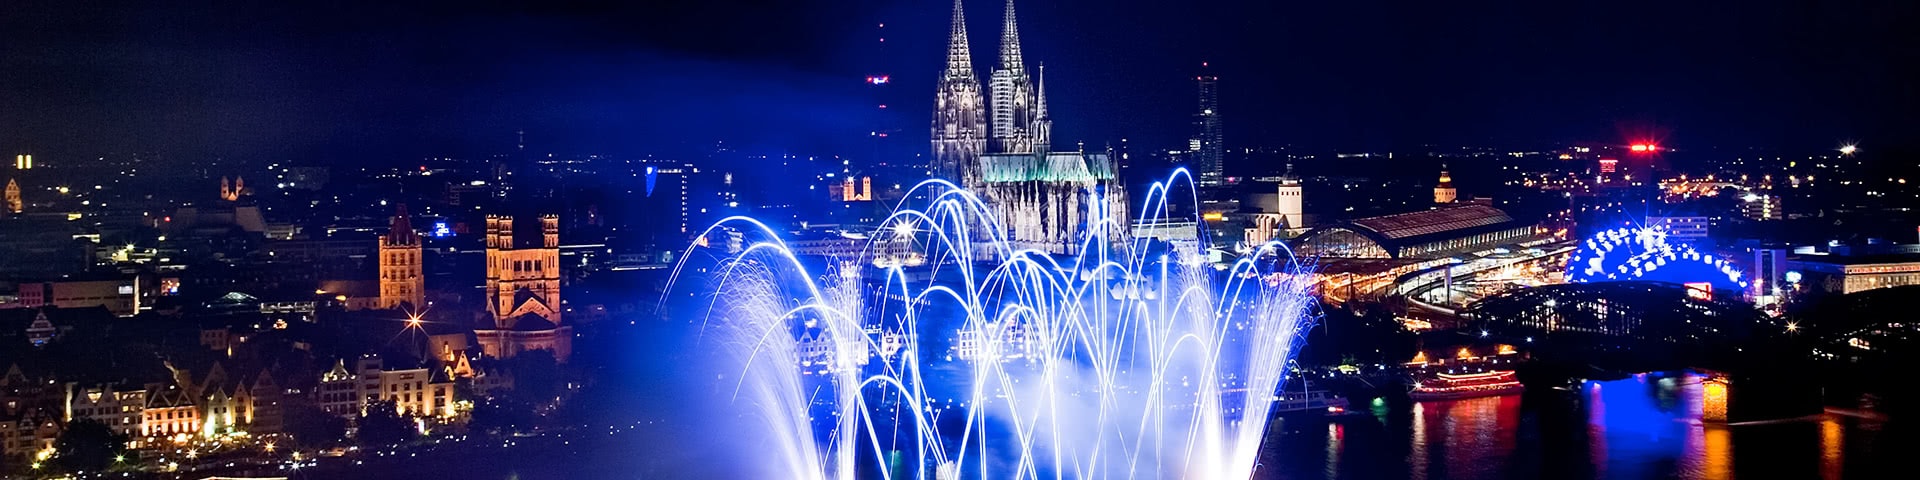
(885, 239)
(306, 84)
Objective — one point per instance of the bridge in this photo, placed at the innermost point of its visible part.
(1578, 330)
(1870, 325)
(1619, 313)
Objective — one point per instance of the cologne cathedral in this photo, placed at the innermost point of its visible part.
(1043, 197)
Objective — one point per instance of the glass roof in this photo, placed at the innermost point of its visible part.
(1413, 224)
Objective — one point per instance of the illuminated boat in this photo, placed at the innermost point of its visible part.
(1309, 402)
(1306, 401)
(1447, 386)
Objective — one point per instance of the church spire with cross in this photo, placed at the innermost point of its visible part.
(1042, 124)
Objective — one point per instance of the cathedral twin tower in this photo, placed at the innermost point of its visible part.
(1046, 200)
(961, 128)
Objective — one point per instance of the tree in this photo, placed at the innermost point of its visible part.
(312, 427)
(501, 414)
(87, 445)
(536, 375)
(382, 424)
(1346, 336)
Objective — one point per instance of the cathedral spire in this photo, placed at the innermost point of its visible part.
(959, 56)
(1042, 129)
(1010, 43)
(1010, 94)
(959, 116)
(1040, 94)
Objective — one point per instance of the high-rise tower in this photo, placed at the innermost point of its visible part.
(1209, 155)
(402, 284)
(959, 114)
(1011, 93)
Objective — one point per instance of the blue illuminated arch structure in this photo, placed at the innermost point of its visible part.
(1645, 253)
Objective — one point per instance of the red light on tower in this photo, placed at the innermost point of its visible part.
(1645, 148)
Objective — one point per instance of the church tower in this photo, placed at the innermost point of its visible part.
(530, 272)
(1289, 207)
(1444, 192)
(523, 291)
(402, 284)
(959, 114)
(231, 192)
(14, 203)
(1011, 93)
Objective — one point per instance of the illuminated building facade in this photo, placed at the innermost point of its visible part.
(1693, 230)
(523, 292)
(425, 392)
(119, 409)
(849, 191)
(1850, 274)
(1769, 276)
(402, 284)
(231, 192)
(1290, 202)
(23, 162)
(29, 431)
(1041, 197)
(14, 203)
(1761, 207)
(1444, 193)
(339, 391)
(1287, 218)
(41, 331)
(122, 296)
(169, 412)
(417, 392)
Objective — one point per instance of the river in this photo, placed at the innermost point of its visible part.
(1646, 426)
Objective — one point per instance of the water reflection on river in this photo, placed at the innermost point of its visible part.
(1646, 426)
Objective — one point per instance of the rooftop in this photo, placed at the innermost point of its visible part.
(1413, 224)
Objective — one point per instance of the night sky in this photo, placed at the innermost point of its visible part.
(373, 83)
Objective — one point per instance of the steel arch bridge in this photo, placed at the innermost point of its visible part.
(1873, 322)
(1645, 253)
(1632, 310)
